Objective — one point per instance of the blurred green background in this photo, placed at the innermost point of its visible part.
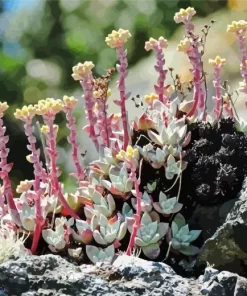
(41, 40)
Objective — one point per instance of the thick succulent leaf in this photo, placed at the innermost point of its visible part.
(155, 137)
(98, 238)
(127, 211)
(190, 250)
(176, 244)
(151, 251)
(179, 220)
(102, 210)
(139, 242)
(146, 219)
(122, 231)
(155, 239)
(194, 234)
(92, 253)
(106, 184)
(82, 225)
(174, 228)
(170, 160)
(111, 203)
(163, 229)
(157, 207)
(184, 230)
(162, 197)
(110, 237)
(103, 221)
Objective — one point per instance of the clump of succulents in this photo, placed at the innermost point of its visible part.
(118, 198)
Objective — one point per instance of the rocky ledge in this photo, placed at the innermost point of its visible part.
(50, 275)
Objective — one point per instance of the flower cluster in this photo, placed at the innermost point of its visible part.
(132, 192)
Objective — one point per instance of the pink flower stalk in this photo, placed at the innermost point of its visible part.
(190, 45)
(217, 63)
(102, 123)
(48, 109)
(5, 168)
(116, 40)
(26, 114)
(239, 29)
(83, 73)
(53, 170)
(137, 215)
(35, 159)
(87, 84)
(69, 104)
(158, 46)
(130, 158)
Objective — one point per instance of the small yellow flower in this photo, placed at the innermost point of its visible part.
(109, 92)
(69, 102)
(237, 27)
(27, 112)
(117, 38)
(44, 129)
(184, 46)
(49, 106)
(217, 62)
(129, 154)
(24, 186)
(82, 70)
(184, 15)
(153, 42)
(150, 99)
(96, 94)
(3, 106)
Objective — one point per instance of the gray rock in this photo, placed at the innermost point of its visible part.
(226, 249)
(52, 275)
(224, 283)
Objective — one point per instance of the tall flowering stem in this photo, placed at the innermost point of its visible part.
(158, 46)
(69, 104)
(190, 45)
(6, 167)
(217, 63)
(239, 29)
(83, 73)
(26, 114)
(131, 157)
(48, 109)
(116, 40)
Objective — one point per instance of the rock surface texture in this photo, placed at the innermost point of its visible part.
(128, 276)
(226, 249)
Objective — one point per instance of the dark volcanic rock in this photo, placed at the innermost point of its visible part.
(215, 283)
(227, 248)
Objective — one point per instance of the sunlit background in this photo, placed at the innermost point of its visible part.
(40, 41)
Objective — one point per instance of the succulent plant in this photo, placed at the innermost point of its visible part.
(55, 238)
(156, 156)
(84, 233)
(120, 183)
(100, 255)
(27, 215)
(166, 205)
(151, 187)
(146, 202)
(106, 160)
(149, 235)
(182, 236)
(241, 125)
(108, 231)
(173, 134)
(174, 167)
